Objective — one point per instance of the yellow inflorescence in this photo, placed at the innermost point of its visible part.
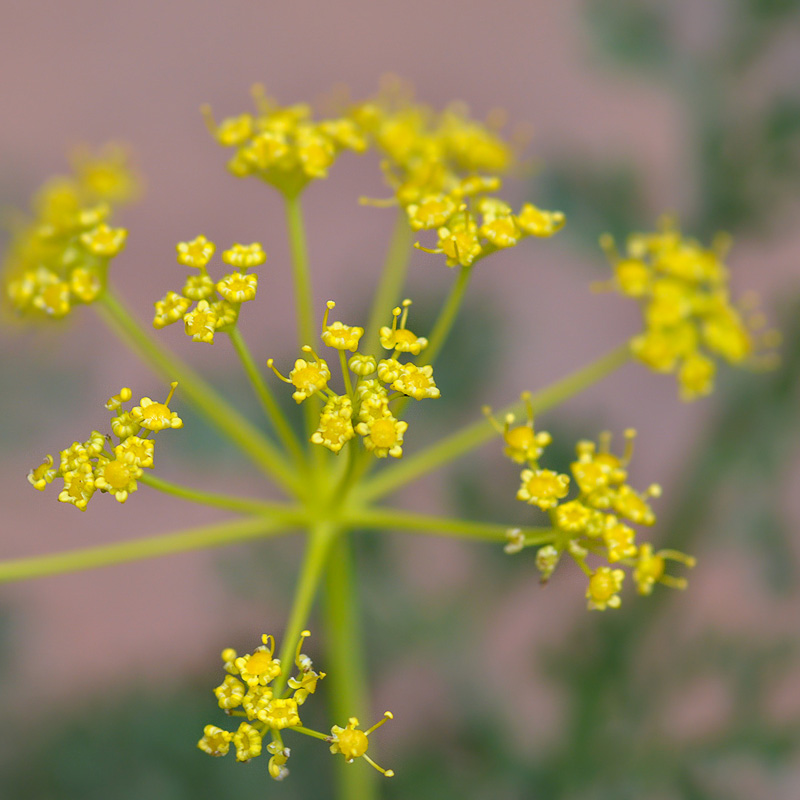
(593, 523)
(97, 463)
(688, 315)
(59, 257)
(217, 303)
(249, 690)
(364, 409)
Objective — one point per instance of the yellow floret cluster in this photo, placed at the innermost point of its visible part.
(371, 385)
(216, 303)
(98, 463)
(59, 257)
(444, 168)
(596, 522)
(258, 688)
(686, 306)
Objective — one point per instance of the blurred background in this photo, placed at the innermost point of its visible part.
(506, 689)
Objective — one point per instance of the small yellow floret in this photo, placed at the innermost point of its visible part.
(170, 309)
(215, 741)
(196, 253)
(156, 416)
(338, 335)
(542, 487)
(245, 255)
(40, 476)
(416, 382)
(383, 435)
(353, 743)
(104, 241)
(201, 323)
(536, 222)
(603, 588)
(238, 287)
(247, 741)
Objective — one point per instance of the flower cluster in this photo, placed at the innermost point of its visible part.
(258, 689)
(95, 464)
(596, 522)
(60, 256)
(688, 315)
(283, 145)
(217, 302)
(444, 169)
(364, 409)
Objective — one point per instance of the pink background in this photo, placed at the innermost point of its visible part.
(88, 71)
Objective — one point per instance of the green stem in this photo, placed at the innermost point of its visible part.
(347, 681)
(392, 279)
(264, 393)
(197, 538)
(243, 505)
(478, 433)
(393, 519)
(447, 316)
(320, 538)
(205, 399)
(304, 299)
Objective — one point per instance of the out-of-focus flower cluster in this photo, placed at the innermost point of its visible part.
(97, 463)
(217, 302)
(364, 408)
(686, 305)
(59, 257)
(444, 168)
(596, 521)
(258, 689)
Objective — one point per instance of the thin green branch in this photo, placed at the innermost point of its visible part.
(206, 400)
(264, 393)
(347, 675)
(393, 278)
(304, 299)
(243, 505)
(478, 433)
(320, 538)
(447, 316)
(394, 519)
(198, 538)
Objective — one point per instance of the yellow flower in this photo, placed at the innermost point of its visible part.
(230, 693)
(245, 256)
(104, 241)
(280, 713)
(308, 377)
(572, 516)
(535, 222)
(416, 382)
(156, 416)
(627, 503)
(523, 443)
(201, 323)
(238, 287)
(383, 435)
(619, 539)
(215, 741)
(140, 451)
(432, 211)
(197, 287)
(338, 335)
(85, 284)
(401, 340)
(78, 486)
(117, 476)
(542, 487)
(603, 588)
(170, 309)
(362, 365)
(43, 474)
(650, 569)
(352, 742)
(335, 426)
(196, 253)
(247, 741)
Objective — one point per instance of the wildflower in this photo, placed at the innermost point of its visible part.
(523, 443)
(117, 476)
(338, 335)
(335, 426)
(416, 382)
(196, 253)
(85, 284)
(104, 241)
(619, 539)
(79, 486)
(352, 742)
(542, 487)
(277, 764)
(170, 309)
(308, 377)
(197, 287)
(280, 713)
(572, 516)
(238, 287)
(247, 741)
(245, 256)
(547, 558)
(230, 693)
(603, 588)
(401, 340)
(432, 211)
(42, 475)
(362, 365)
(650, 569)
(383, 435)
(156, 416)
(536, 222)
(215, 741)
